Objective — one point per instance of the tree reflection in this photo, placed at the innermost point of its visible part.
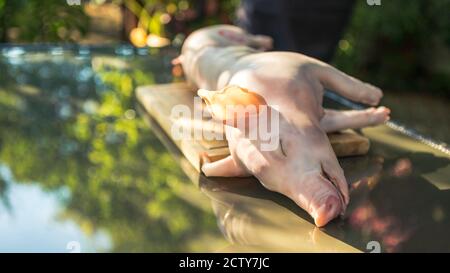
(67, 123)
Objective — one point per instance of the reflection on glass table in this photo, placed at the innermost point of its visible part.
(392, 205)
(78, 163)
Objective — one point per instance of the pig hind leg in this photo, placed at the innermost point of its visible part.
(347, 86)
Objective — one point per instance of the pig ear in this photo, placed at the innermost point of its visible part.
(207, 96)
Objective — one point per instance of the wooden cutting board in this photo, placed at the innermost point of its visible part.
(158, 101)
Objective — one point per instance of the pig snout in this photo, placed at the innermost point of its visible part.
(315, 194)
(313, 180)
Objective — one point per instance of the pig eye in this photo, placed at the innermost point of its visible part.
(282, 149)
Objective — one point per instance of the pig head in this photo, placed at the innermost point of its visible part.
(302, 164)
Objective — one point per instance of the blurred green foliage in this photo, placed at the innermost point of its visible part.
(41, 21)
(67, 122)
(400, 45)
(171, 17)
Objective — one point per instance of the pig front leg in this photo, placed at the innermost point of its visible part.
(229, 166)
(334, 120)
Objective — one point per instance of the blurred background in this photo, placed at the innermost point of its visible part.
(384, 44)
(73, 147)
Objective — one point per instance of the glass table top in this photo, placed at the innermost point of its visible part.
(82, 169)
